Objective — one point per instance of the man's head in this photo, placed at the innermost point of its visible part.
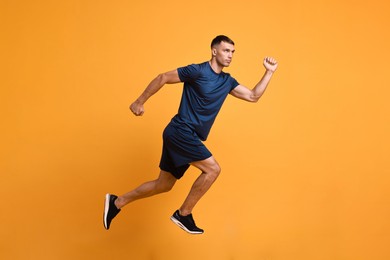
(222, 49)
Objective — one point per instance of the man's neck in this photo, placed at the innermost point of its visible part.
(217, 68)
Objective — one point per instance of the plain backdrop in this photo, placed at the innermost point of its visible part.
(305, 172)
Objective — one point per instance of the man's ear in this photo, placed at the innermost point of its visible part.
(214, 51)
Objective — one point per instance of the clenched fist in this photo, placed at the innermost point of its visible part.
(137, 108)
(270, 64)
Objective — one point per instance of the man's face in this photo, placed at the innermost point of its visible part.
(223, 53)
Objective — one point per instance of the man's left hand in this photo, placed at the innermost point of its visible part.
(270, 64)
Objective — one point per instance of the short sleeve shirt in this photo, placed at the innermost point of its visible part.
(204, 92)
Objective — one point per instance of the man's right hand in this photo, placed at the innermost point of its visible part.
(137, 108)
(169, 77)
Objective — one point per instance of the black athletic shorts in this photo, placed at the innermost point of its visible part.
(181, 146)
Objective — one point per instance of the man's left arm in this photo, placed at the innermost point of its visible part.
(253, 95)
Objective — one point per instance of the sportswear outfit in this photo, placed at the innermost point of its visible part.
(204, 92)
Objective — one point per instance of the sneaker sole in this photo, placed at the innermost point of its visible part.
(179, 224)
(106, 208)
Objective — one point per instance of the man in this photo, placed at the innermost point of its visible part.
(205, 88)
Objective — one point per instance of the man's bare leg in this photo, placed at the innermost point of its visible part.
(210, 171)
(163, 183)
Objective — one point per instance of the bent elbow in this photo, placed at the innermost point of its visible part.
(254, 99)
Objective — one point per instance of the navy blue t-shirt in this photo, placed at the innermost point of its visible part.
(204, 92)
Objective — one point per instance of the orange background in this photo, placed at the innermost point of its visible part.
(304, 171)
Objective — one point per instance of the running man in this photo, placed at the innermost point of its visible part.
(205, 89)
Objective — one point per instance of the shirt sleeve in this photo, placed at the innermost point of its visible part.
(189, 73)
(234, 83)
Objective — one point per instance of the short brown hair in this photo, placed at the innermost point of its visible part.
(221, 38)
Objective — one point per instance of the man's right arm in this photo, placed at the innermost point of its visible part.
(170, 77)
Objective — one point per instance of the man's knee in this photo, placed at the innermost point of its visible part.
(166, 188)
(209, 167)
(165, 182)
(214, 170)
(217, 169)
(163, 187)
